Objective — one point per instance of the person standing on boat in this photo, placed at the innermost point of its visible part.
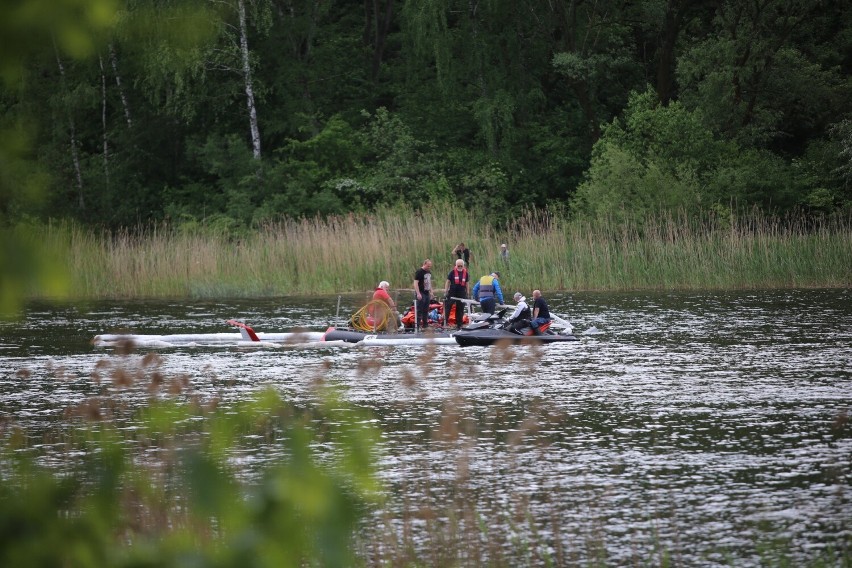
(380, 314)
(456, 286)
(540, 312)
(423, 293)
(462, 252)
(520, 318)
(487, 292)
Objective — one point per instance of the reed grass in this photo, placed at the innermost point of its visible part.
(548, 251)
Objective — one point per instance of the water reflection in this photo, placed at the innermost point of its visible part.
(693, 423)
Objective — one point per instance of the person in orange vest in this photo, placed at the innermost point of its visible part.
(456, 287)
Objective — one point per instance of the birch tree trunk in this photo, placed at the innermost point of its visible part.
(75, 155)
(244, 50)
(114, 61)
(104, 120)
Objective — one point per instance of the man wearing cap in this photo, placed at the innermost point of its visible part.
(487, 292)
(504, 253)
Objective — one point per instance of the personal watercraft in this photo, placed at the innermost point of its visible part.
(495, 329)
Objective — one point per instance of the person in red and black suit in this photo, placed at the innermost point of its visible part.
(456, 286)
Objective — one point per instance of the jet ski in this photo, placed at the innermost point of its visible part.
(495, 329)
(427, 337)
(490, 336)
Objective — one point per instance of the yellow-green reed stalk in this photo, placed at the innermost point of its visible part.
(677, 251)
(306, 256)
(547, 251)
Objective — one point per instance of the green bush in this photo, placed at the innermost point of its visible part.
(122, 507)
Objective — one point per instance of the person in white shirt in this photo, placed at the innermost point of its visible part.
(520, 318)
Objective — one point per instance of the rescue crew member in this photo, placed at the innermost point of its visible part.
(520, 318)
(541, 312)
(422, 293)
(456, 287)
(379, 313)
(486, 290)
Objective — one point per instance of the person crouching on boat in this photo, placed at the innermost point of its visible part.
(540, 312)
(520, 318)
(487, 292)
(456, 287)
(387, 317)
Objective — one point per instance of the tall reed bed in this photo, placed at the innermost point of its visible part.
(547, 251)
(680, 252)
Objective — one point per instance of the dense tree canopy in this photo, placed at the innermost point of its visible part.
(239, 111)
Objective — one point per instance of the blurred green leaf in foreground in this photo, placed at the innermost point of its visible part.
(34, 28)
(171, 491)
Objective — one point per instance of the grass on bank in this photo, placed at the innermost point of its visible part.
(547, 251)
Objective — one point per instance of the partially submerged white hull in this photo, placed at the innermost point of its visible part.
(208, 339)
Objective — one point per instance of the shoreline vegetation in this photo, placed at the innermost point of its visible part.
(548, 250)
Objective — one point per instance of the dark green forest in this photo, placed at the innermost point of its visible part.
(235, 112)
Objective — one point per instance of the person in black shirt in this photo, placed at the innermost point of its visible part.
(456, 286)
(540, 311)
(462, 252)
(423, 293)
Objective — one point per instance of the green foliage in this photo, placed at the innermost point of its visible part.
(23, 184)
(754, 177)
(826, 168)
(431, 99)
(26, 29)
(30, 265)
(312, 174)
(664, 158)
(767, 72)
(167, 45)
(651, 162)
(74, 26)
(302, 510)
(621, 187)
(398, 164)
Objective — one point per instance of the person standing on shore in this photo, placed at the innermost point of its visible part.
(456, 286)
(462, 252)
(504, 253)
(422, 293)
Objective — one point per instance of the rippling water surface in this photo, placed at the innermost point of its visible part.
(703, 424)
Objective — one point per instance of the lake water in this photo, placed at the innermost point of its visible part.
(704, 424)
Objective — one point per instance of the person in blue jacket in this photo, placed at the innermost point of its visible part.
(488, 292)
